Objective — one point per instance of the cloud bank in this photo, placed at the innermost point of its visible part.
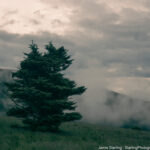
(109, 40)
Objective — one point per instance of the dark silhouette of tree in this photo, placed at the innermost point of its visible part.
(41, 93)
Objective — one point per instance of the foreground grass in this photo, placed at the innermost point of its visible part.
(73, 136)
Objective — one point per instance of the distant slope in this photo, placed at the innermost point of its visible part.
(115, 98)
(136, 114)
(5, 76)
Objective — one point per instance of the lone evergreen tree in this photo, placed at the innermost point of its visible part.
(40, 92)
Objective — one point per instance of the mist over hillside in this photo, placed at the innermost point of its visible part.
(110, 108)
(5, 76)
(97, 106)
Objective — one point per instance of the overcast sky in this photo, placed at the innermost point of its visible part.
(109, 39)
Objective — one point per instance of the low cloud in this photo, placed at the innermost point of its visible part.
(108, 40)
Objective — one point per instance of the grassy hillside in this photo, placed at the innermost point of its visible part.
(73, 136)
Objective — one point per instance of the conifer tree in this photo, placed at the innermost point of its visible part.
(41, 93)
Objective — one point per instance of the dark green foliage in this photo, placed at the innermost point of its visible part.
(40, 91)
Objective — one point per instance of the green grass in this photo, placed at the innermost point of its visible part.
(73, 136)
